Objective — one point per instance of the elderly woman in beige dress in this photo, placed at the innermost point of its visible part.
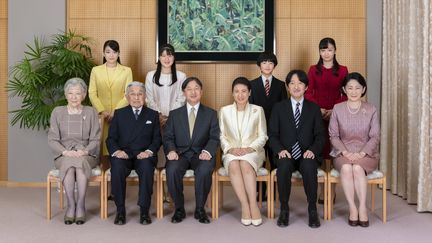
(243, 136)
(354, 134)
(74, 138)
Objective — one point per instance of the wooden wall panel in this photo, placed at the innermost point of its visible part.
(148, 46)
(226, 73)
(351, 47)
(282, 8)
(283, 50)
(104, 9)
(125, 31)
(299, 25)
(205, 73)
(3, 9)
(3, 94)
(331, 9)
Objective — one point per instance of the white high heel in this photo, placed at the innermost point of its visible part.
(246, 222)
(256, 222)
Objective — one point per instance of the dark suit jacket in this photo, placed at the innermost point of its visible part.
(258, 97)
(283, 134)
(205, 135)
(134, 136)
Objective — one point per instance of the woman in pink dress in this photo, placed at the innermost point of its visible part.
(354, 134)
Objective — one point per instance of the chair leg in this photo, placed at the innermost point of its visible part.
(326, 197)
(260, 194)
(157, 194)
(101, 200)
(105, 199)
(384, 200)
(329, 200)
(269, 198)
(216, 206)
(61, 196)
(372, 197)
(48, 198)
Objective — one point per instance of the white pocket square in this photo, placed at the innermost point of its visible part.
(148, 122)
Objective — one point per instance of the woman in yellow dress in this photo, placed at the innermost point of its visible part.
(107, 85)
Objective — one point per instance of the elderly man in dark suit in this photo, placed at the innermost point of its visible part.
(297, 139)
(190, 139)
(133, 141)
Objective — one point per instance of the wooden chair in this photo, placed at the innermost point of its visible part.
(297, 180)
(188, 177)
(96, 177)
(52, 178)
(263, 176)
(374, 178)
(132, 178)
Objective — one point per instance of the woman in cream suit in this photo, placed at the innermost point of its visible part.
(107, 85)
(243, 136)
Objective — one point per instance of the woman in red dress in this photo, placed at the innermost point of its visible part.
(325, 79)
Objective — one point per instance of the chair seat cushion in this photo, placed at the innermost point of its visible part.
(261, 171)
(296, 174)
(96, 171)
(376, 174)
(189, 173)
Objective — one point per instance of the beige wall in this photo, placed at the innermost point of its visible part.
(299, 25)
(3, 96)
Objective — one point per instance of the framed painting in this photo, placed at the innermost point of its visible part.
(216, 30)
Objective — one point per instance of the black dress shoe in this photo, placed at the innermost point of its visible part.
(178, 216)
(110, 197)
(201, 215)
(120, 219)
(145, 218)
(314, 220)
(283, 218)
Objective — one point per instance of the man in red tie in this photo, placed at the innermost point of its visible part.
(267, 90)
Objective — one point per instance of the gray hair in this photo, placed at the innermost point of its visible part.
(135, 84)
(75, 82)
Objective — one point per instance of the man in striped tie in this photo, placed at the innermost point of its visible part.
(296, 136)
(267, 90)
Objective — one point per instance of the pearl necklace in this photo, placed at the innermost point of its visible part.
(353, 112)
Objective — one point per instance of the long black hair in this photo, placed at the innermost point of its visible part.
(324, 43)
(170, 51)
(114, 45)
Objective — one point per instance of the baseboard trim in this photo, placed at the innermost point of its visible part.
(22, 184)
(15, 184)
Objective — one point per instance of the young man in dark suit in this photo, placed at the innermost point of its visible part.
(133, 141)
(190, 139)
(267, 90)
(297, 138)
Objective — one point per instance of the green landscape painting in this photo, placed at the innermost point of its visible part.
(216, 25)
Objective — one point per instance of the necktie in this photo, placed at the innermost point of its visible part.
(296, 151)
(191, 121)
(267, 87)
(136, 114)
